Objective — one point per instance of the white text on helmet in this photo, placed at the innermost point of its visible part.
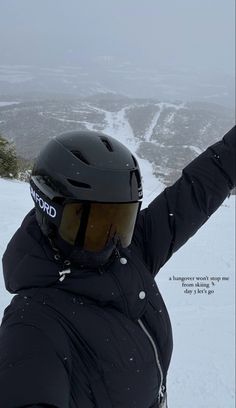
(45, 207)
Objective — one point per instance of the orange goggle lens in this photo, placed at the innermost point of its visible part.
(93, 225)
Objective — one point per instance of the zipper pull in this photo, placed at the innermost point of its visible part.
(162, 397)
(63, 274)
(65, 270)
(163, 390)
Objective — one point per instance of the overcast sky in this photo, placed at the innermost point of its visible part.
(152, 32)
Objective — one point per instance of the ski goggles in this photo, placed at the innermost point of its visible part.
(91, 226)
(88, 225)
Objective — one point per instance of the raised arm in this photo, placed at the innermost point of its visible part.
(180, 210)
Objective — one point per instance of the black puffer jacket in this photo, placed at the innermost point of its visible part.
(90, 338)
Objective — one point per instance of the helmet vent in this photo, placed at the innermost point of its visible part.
(80, 156)
(107, 144)
(78, 184)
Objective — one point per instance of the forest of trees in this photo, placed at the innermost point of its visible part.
(12, 166)
(8, 159)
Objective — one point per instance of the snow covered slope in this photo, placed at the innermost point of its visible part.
(168, 135)
(202, 369)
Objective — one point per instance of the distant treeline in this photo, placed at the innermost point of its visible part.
(12, 166)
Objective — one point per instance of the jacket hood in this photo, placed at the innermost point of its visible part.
(28, 260)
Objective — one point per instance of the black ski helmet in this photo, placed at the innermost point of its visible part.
(87, 188)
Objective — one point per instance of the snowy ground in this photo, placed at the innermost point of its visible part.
(202, 368)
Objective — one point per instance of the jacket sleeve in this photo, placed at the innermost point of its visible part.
(180, 210)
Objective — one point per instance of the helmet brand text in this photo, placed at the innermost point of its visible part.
(45, 207)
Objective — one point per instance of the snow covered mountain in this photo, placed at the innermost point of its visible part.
(202, 369)
(168, 135)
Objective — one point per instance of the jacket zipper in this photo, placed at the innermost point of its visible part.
(162, 387)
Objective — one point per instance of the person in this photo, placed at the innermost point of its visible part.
(88, 327)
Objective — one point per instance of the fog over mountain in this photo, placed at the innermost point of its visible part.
(165, 49)
(186, 33)
(158, 73)
(113, 75)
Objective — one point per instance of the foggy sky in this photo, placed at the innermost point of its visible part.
(149, 32)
